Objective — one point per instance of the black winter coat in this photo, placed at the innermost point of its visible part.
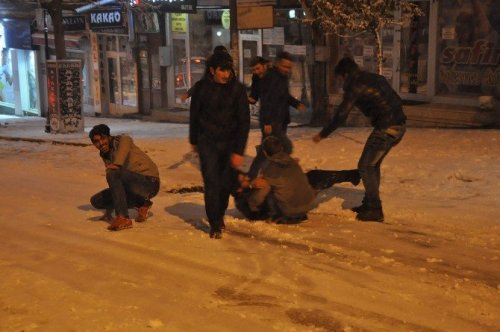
(275, 100)
(220, 113)
(372, 95)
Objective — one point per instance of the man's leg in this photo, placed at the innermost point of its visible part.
(103, 201)
(140, 189)
(377, 146)
(212, 168)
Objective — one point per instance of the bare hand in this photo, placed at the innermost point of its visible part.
(112, 166)
(268, 129)
(301, 107)
(259, 183)
(252, 101)
(317, 138)
(236, 160)
(194, 148)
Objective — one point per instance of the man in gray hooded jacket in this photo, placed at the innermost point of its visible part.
(283, 188)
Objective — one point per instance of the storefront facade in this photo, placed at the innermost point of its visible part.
(449, 55)
(19, 88)
(193, 36)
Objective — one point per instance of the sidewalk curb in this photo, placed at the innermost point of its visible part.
(39, 140)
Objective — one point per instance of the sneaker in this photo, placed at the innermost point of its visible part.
(120, 223)
(142, 211)
(368, 214)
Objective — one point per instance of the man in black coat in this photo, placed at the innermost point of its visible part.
(218, 130)
(372, 95)
(275, 100)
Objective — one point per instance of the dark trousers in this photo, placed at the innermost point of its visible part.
(219, 179)
(260, 158)
(126, 190)
(377, 146)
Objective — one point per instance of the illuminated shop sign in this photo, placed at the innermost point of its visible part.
(73, 23)
(173, 6)
(106, 19)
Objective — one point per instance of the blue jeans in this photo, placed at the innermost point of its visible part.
(126, 189)
(377, 146)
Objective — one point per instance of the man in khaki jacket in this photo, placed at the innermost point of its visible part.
(132, 176)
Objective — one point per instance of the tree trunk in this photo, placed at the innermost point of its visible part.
(234, 35)
(319, 93)
(55, 12)
(380, 53)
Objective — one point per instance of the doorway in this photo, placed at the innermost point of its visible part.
(250, 45)
(119, 79)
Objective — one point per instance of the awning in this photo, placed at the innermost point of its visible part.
(72, 41)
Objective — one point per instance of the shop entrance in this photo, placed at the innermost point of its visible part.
(250, 46)
(118, 75)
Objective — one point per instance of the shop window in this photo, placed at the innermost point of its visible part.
(6, 78)
(468, 48)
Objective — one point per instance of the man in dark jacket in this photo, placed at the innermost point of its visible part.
(275, 100)
(259, 66)
(372, 95)
(132, 176)
(218, 130)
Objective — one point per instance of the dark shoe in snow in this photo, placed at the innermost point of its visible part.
(375, 215)
(215, 235)
(359, 208)
(291, 220)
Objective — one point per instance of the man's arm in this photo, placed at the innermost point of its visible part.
(261, 189)
(254, 90)
(243, 118)
(340, 116)
(122, 150)
(193, 114)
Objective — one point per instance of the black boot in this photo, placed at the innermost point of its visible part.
(371, 214)
(354, 177)
(361, 207)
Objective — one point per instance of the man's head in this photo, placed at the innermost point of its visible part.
(259, 66)
(221, 67)
(100, 137)
(346, 67)
(220, 48)
(284, 63)
(271, 146)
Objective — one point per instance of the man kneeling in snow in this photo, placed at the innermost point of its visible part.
(282, 192)
(132, 176)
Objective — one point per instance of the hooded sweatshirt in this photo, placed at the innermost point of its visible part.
(288, 184)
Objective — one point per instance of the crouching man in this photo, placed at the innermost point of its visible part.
(132, 176)
(283, 193)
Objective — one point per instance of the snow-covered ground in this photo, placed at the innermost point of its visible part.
(433, 265)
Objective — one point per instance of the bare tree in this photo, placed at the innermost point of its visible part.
(350, 18)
